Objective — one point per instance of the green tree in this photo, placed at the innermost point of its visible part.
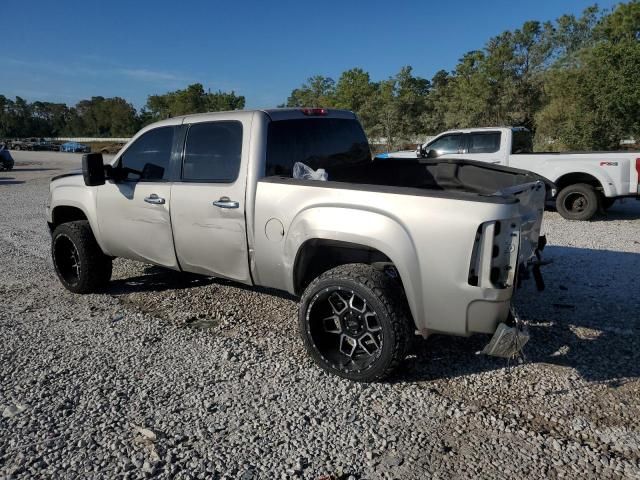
(596, 104)
(318, 91)
(353, 90)
(192, 99)
(103, 117)
(433, 119)
(356, 92)
(593, 100)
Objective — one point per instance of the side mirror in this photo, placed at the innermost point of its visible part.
(93, 169)
(432, 153)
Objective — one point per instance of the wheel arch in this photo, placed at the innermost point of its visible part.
(318, 255)
(66, 213)
(325, 237)
(596, 179)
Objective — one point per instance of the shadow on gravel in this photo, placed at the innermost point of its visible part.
(157, 279)
(33, 169)
(588, 318)
(629, 210)
(10, 181)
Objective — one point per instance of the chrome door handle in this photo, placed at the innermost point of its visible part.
(154, 199)
(225, 202)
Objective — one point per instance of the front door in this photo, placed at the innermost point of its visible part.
(134, 212)
(208, 203)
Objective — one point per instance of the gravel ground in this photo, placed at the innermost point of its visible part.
(172, 375)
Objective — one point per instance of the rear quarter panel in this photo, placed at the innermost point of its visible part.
(429, 239)
(612, 170)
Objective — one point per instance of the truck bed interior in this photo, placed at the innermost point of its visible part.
(431, 174)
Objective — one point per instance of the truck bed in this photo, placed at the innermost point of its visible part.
(451, 175)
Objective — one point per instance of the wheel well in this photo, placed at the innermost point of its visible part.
(316, 256)
(577, 177)
(64, 214)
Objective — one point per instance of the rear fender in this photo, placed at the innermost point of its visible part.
(367, 228)
(604, 178)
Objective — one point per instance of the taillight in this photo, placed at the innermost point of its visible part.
(638, 172)
(494, 256)
(315, 112)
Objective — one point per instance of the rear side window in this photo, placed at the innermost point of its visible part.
(212, 152)
(488, 142)
(149, 155)
(329, 143)
(446, 144)
(522, 142)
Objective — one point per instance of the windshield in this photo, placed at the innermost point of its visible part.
(327, 143)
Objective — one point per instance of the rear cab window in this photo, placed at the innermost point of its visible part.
(521, 142)
(328, 143)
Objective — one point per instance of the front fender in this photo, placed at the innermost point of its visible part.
(368, 228)
(77, 196)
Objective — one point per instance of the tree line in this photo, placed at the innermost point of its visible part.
(573, 81)
(106, 117)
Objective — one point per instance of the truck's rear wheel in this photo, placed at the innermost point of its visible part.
(353, 322)
(577, 202)
(78, 260)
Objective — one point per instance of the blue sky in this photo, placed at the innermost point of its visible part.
(68, 50)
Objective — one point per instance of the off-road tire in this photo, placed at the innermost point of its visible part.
(93, 266)
(384, 296)
(578, 202)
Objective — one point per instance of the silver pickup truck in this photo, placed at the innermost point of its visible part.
(381, 251)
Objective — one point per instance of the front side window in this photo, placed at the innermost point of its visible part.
(149, 156)
(446, 144)
(485, 142)
(212, 152)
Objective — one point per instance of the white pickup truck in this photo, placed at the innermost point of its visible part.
(586, 181)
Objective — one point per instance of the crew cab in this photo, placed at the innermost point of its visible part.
(379, 252)
(586, 181)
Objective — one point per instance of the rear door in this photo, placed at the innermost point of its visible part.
(208, 201)
(134, 213)
(484, 147)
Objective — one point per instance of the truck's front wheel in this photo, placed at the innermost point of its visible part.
(79, 262)
(577, 202)
(353, 322)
